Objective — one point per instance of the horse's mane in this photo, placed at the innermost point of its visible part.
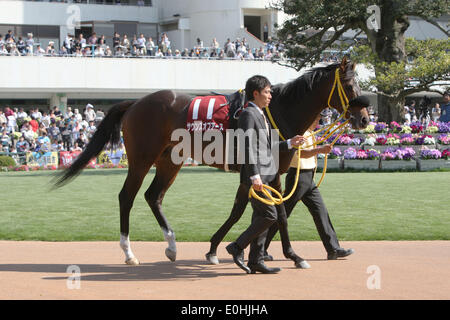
(297, 88)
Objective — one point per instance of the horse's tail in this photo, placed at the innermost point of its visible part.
(107, 131)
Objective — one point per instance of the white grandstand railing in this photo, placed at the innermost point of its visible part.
(146, 3)
(143, 57)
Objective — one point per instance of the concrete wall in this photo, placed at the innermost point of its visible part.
(41, 77)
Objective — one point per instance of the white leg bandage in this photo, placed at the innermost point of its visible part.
(171, 250)
(125, 245)
(170, 238)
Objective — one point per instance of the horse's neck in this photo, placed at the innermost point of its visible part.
(300, 117)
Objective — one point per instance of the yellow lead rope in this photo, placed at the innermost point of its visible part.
(278, 198)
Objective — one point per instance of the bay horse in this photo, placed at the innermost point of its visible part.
(148, 123)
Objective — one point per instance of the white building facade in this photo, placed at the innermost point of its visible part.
(57, 80)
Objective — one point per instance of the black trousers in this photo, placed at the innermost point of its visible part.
(263, 217)
(309, 194)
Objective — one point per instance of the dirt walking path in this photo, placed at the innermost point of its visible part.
(377, 270)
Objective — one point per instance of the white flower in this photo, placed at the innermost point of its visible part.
(429, 140)
(370, 141)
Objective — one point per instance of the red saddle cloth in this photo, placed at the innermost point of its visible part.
(208, 113)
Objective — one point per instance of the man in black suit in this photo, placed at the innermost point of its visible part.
(259, 168)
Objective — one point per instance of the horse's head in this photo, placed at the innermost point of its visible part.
(351, 92)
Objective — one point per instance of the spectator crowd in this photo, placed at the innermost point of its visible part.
(48, 131)
(139, 46)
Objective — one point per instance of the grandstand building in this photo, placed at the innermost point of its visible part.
(60, 80)
(43, 81)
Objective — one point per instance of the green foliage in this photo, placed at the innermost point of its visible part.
(428, 61)
(6, 161)
(317, 25)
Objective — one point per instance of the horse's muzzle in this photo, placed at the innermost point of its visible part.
(359, 116)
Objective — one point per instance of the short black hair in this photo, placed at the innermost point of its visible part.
(257, 83)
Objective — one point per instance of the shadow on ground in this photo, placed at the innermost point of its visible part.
(157, 271)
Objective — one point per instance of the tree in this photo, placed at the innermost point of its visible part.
(402, 66)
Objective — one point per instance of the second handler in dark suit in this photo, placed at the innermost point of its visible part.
(259, 168)
(309, 194)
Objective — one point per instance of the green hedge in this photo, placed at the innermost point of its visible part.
(6, 161)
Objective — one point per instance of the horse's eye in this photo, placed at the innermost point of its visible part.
(349, 87)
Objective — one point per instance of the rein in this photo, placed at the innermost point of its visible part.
(278, 198)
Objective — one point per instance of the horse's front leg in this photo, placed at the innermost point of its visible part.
(240, 203)
(166, 172)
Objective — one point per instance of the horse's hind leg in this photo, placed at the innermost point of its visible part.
(130, 188)
(166, 172)
(240, 203)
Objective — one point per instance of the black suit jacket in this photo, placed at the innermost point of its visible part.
(257, 147)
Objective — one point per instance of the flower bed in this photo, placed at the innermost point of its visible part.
(395, 127)
(425, 139)
(398, 153)
(430, 154)
(443, 141)
(361, 159)
(398, 158)
(381, 127)
(413, 127)
(433, 159)
(407, 139)
(53, 167)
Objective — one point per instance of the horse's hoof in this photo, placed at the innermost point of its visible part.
(132, 262)
(212, 258)
(172, 255)
(302, 264)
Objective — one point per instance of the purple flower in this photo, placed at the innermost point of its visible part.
(380, 127)
(420, 140)
(335, 153)
(444, 127)
(393, 153)
(372, 154)
(350, 153)
(391, 149)
(430, 154)
(408, 153)
(406, 135)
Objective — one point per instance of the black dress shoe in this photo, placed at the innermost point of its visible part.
(238, 256)
(261, 267)
(267, 256)
(339, 253)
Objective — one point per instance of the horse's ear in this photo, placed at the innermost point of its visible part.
(344, 63)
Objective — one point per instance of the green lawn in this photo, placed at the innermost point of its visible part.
(362, 206)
